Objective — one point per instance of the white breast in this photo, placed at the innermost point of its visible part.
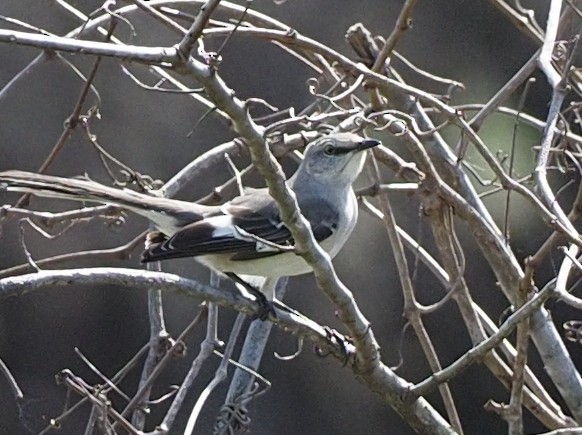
(289, 264)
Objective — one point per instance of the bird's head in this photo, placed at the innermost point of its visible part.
(338, 157)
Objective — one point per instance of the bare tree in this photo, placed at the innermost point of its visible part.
(435, 152)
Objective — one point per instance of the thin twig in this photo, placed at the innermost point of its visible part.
(187, 43)
(219, 376)
(121, 252)
(71, 121)
(170, 24)
(514, 413)
(410, 306)
(158, 345)
(241, 386)
(401, 26)
(16, 391)
(512, 157)
(174, 350)
(475, 353)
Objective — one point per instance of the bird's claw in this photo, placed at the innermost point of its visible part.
(266, 307)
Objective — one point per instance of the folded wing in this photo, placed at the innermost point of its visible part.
(249, 227)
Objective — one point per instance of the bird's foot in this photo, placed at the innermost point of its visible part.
(266, 307)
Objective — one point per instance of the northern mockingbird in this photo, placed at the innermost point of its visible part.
(241, 236)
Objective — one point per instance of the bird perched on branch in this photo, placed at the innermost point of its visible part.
(245, 235)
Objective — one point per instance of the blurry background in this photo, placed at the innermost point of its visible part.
(469, 41)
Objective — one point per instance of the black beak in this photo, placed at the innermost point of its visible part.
(368, 143)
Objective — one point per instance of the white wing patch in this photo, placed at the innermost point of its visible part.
(260, 246)
(223, 226)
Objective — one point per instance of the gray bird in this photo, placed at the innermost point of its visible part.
(241, 236)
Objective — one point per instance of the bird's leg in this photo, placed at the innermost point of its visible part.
(266, 307)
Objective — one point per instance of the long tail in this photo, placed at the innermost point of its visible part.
(166, 213)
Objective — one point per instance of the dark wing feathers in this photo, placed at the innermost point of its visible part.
(256, 214)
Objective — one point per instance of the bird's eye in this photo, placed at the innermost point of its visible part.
(329, 150)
